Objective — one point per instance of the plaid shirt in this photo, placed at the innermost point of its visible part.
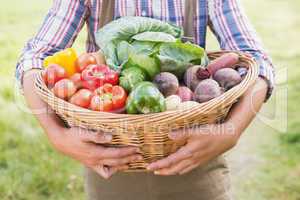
(66, 18)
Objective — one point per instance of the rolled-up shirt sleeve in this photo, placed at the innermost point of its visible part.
(60, 28)
(234, 31)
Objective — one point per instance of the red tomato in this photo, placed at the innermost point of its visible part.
(84, 60)
(76, 78)
(64, 89)
(95, 76)
(106, 88)
(119, 97)
(53, 74)
(82, 98)
(101, 103)
(108, 98)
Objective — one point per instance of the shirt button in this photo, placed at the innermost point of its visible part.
(144, 13)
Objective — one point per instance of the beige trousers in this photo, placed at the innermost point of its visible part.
(210, 182)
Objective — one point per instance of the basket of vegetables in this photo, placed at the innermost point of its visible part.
(144, 83)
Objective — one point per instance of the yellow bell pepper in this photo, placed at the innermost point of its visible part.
(49, 60)
(66, 59)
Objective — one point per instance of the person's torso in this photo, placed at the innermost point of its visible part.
(166, 10)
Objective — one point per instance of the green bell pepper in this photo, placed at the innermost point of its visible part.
(131, 77)
(145, 98)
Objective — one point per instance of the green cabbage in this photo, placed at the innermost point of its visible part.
(124, 29)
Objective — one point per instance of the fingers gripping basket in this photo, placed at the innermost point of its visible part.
(150, 132)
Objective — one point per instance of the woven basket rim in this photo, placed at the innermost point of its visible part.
(235, 91)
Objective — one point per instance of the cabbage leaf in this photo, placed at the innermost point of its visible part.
(177, 57)
(154, 37)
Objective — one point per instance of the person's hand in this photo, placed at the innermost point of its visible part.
(82, 145)
(86, 147)
(204, 143)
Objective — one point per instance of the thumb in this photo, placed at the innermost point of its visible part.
(107, 172)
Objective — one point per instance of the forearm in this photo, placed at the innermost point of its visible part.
(47, 118)
(248, 106)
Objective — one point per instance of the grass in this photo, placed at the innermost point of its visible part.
(277, 173)
(30, 169)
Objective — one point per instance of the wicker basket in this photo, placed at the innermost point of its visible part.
(150, 132)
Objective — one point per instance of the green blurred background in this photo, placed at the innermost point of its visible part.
(265, 165)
